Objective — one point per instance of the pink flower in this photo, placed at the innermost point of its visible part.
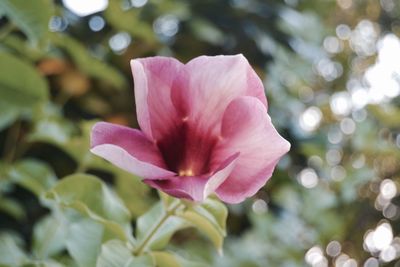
(204, 129)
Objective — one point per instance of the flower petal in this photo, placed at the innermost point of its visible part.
(195, 188)
(206, 86)
(220, 175)
(153, 79)
(247, 128)
(128, 149)
(188, 187)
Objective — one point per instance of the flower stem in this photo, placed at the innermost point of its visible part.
(170, 211)
(82, 165)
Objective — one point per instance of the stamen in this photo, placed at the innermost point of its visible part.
(188, 172)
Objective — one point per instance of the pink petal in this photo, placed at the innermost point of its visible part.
(206, 86)
(128, 149)
(247, 128)
(220, 175)
(195, 188)
(153, 79)
(188, 187)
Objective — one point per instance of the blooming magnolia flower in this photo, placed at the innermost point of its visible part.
(204, 129)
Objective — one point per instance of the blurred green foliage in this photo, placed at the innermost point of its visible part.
(333, 201)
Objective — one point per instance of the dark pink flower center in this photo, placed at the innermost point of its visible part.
(187, 151)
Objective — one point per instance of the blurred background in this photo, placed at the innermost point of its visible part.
(331, 70)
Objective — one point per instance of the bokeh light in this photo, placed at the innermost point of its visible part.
(333, 249)
(86, 7)
(96, 23)
(308, 178)
(310, 119)
(119, 42)
(166, 26)
(138, 3)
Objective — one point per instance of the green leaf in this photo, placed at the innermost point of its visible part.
(32, 17)
(50, 126)
(17, 45)
(11, 253)
(43, 263)
(78, 146)
(210, 218)
(88, 64)
(16, 92)
(53, 131)
(115, 253)
(33, 175)
(66, 260)
(206, 31)
(203, 224)
(90, 197)
(156, 227)
(5, 183)
(12, 208)
(166, 199)
(147, 223)
(49, 236)
(94, 213)
(84, 240)
(168, 259)
(215, 211)
(8, 114)
(134, 193)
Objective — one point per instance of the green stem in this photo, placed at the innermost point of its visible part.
(168, 213)
(82, 165)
